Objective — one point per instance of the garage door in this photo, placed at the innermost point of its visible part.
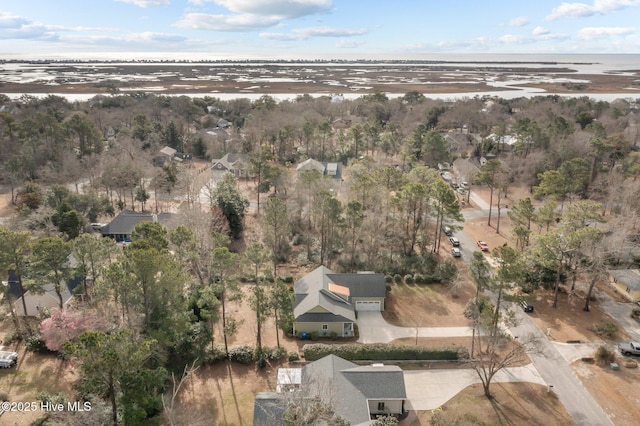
(368, 306)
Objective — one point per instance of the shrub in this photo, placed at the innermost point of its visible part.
(388, 279)
(419, 278)
(241, 354)
(34, 343)
(51, 398)
(293, 356)
(262, 362)
(408, 279)
(216, 354)
(276, 354)
(12, 338)
(383, 352)
(606, 329)
(397, 278)
(604, 355)
(288, 279)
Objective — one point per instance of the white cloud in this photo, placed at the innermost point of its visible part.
(580, 10)
(511, 39)
(242, 22)
(519, 21)
(590, 33)
(145, 3)
(348, 44)
(537, 31)
(11, 21)
(285, 8)
(306, 33)
(19, 28)
(252, 14)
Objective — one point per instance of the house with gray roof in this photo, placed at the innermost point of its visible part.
(358, 394)
(237, 164)
(626, 282)
(326, 303)
(332, 170)
(122, 225)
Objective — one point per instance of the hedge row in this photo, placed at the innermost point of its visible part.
(384, 352)
(244, 354)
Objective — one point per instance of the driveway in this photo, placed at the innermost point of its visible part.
(621, 312)
(374, 329)
(429, 389)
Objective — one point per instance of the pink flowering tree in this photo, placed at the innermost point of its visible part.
(62, 326)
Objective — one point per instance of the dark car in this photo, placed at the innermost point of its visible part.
(526, 306)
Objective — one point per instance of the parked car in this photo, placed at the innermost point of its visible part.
(629, 348)
(454, 241)
(447, 231)
(526, 306)
(455, 251)
(8, 359)
(482, 245)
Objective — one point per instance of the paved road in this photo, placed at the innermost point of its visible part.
(555, 371)
(546, 358)
(374, 329)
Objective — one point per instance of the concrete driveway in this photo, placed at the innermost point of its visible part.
(374, 329)
(429, 389)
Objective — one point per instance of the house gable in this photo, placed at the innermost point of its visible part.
(336, 293)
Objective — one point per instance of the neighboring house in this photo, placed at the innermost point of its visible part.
(310, 164)
(237, 164)
(505, 142)
(466, 169)
(626, 282)
(358, 394)
(326, 303)
(341, 123)
(168, 155)
(46, 301)
(36, 302)
(333, 170)
(122, 225)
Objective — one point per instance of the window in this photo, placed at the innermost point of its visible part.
(325, 326)
(380, 406)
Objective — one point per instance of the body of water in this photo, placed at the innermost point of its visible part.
(485, 68)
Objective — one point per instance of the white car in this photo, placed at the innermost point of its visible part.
(455, 251)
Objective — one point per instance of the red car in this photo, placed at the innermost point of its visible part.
(483, 246)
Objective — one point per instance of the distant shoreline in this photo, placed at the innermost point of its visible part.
(350, 79)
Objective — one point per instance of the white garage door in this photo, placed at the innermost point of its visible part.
(368, 306)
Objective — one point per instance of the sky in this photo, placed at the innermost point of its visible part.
(313, 29)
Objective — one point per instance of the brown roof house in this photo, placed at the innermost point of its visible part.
(326, 303)
(357, 394)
